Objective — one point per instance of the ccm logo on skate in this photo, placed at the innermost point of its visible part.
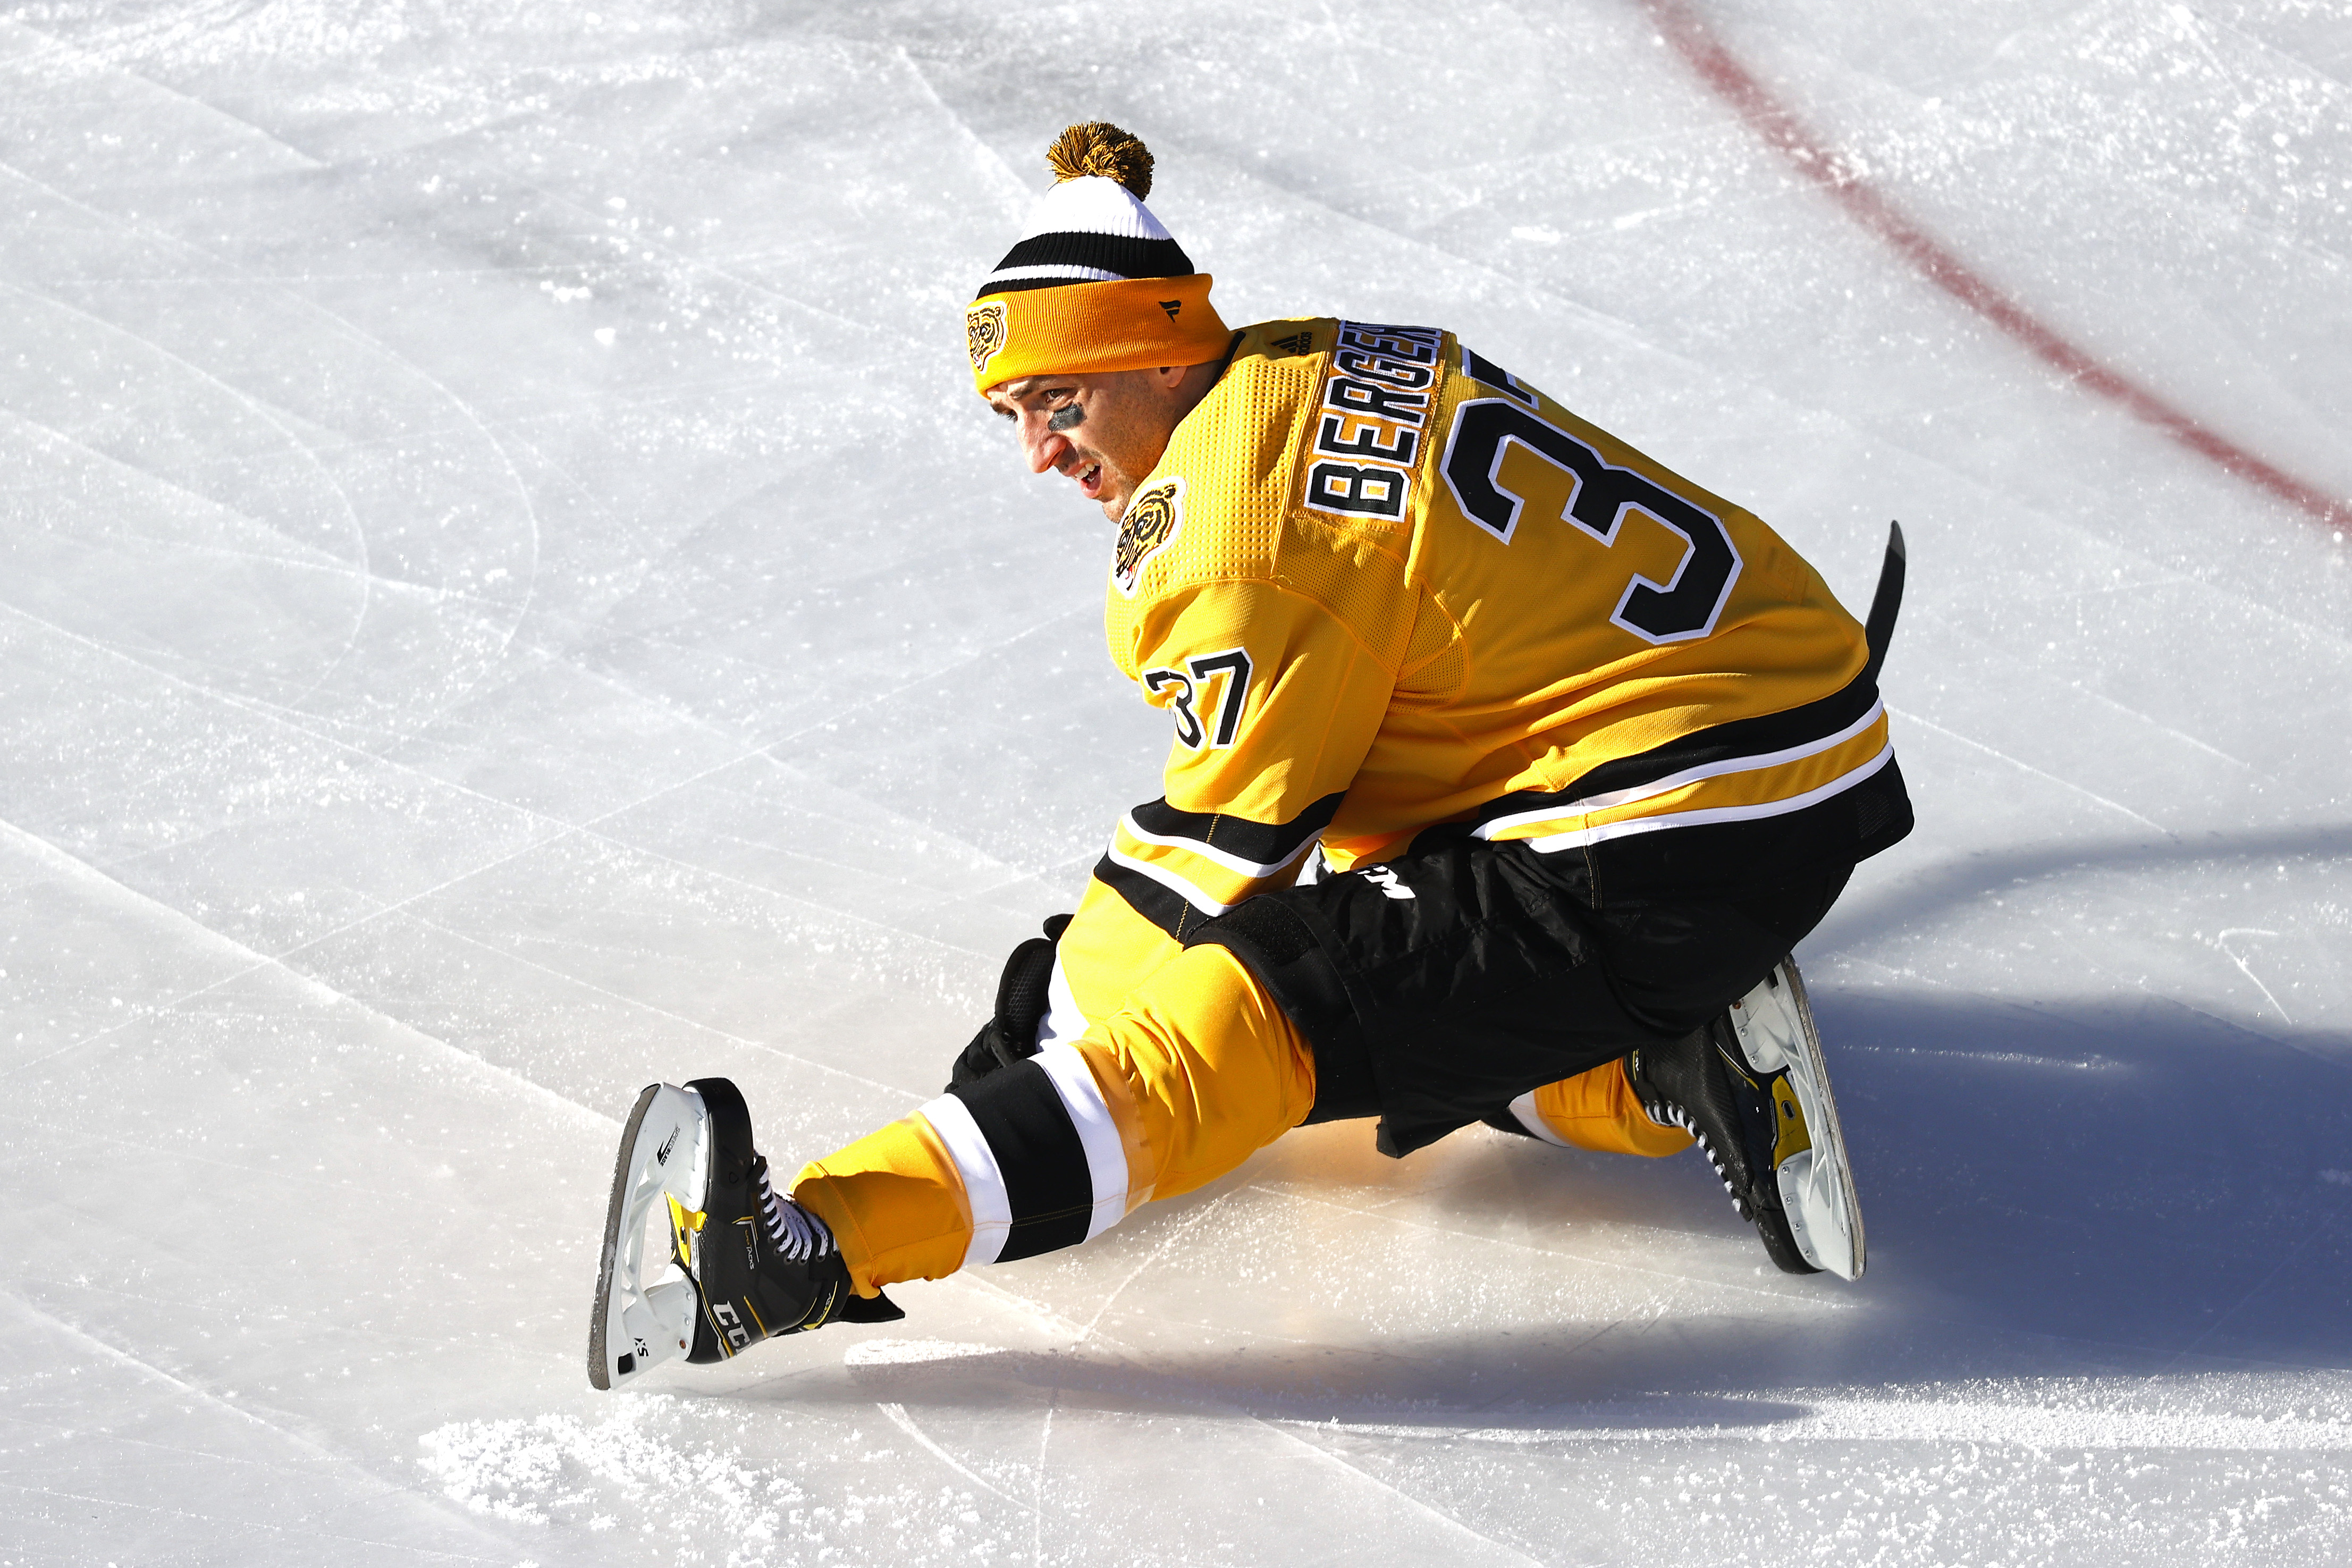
(661, 1155)
(1385, 879)
(730, 1325)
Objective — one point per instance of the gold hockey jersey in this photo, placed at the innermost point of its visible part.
(1380, 584)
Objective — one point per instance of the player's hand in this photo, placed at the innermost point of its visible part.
(1020, 1002)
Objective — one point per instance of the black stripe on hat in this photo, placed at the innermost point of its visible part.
(1046, 1182)
(1123, 253)
(1016, 285)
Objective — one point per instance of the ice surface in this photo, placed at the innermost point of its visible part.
(506, 594)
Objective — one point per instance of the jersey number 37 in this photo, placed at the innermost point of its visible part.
(1682, 608)
(1206, 696)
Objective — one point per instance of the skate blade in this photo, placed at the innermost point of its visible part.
(1775, 1025)
(638, 1322)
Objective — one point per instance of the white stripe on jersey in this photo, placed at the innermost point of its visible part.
(1552, 844)
(1105, 1154)
(1207, 851)
(1617, 797)
(1063, 1021)
(1180, 886)
(983, 1182)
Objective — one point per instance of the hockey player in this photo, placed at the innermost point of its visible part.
(1507, 768)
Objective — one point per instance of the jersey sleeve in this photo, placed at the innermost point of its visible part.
(1273, 701)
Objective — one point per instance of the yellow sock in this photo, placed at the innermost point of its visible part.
(1596, 1110)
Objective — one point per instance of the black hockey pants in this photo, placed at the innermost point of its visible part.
(1438, 986)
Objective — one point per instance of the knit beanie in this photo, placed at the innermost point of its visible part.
(1095, 282)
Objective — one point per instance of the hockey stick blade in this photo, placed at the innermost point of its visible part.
(634, 1324)
(1887, 602)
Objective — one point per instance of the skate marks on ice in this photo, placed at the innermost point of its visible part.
(1845, 181)
(2155, 1182)
(2232, 1413)
(2140, 1471)
(1790, 1499)
(2253, 925)
(666, 1479)
(301, 1214)
(660, 1478)
(97, 1444)
(829, 1452)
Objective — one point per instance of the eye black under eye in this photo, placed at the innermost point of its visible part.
(1066, 418)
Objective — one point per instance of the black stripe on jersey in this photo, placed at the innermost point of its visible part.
(1162, 906)
(1764, 733)
(1126, 255)
(1486, 372)
(1268, 843)
(1037, 1151)
(1707, 859)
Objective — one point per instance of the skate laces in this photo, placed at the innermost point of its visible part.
(1668, 1113)
(799, 1235)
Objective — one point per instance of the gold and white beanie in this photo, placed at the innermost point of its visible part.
(1095, 282)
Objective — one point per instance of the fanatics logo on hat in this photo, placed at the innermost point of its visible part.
(1171, 307)
(1151, 520)
(983, 331)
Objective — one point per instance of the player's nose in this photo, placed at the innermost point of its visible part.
(1042, 447)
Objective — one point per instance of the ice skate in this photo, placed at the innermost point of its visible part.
(743, 1265)
(1753, 1088)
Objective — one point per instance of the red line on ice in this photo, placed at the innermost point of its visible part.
(1772, 120)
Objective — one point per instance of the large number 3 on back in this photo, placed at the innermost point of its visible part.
(1679, 610)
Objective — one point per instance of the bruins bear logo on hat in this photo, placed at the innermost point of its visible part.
(983, 331)
(1095, 282)
(1151, 520)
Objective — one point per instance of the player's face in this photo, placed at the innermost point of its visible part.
(1104, 431)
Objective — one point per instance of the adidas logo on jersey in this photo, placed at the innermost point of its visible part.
(1295, 343)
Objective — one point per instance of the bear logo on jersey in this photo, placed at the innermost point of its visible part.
(1151, 520)
(983, 331)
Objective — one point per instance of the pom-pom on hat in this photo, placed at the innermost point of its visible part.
(1095, 282)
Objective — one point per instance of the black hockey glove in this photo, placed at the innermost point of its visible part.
(1020, 1002)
